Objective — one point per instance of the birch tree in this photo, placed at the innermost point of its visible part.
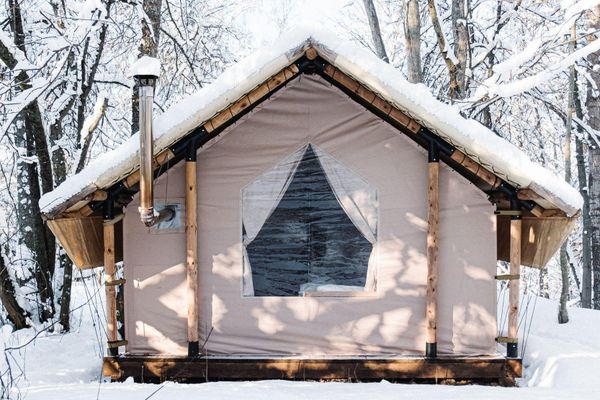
(412, 33)
(593, 108)
(375, 30)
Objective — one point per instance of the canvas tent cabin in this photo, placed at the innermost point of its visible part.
(328, 220)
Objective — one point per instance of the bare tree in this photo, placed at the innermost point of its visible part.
(462, 45)
(16, 315)
(150, 23)
(412, 33)
(375, 30)
(586, 222)
(593, 107)
(563, 314)
(35, 171)
(445, 50)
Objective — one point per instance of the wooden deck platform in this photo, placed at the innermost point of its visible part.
(489, 370)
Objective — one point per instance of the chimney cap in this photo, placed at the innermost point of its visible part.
(146, 67)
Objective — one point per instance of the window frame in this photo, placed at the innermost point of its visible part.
(372, 273)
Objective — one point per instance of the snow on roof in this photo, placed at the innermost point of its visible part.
(492, 151)
(146, 66)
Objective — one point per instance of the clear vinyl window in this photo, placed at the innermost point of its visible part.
(309, 228)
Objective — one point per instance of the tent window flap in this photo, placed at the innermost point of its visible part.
(309, 224)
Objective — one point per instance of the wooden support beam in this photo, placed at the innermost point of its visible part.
(432, 257)
(191, 232)
(111, 292)
(475, 168)
(512, 348)
(396, 369)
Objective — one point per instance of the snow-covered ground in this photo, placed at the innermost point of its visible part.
(561, 362)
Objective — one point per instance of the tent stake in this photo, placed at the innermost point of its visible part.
(432, 248)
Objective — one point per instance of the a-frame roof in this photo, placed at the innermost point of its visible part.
(478, 149)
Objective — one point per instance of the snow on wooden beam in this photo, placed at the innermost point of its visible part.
(372, 98)
(254, 96)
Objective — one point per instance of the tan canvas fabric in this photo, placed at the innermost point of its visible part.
(392, 322)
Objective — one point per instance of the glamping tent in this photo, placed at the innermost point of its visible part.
(312, 216)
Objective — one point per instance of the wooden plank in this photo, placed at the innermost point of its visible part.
(82, 239)
(528, 194)
(441, 369)
(311, 53)
(540, 238)
(84, 211)
(191, 232)
(109, 273)
(240, 105)
(432, 250)
(276, 80)
(513, 285)
(475, 168)
(258, 93)
(506, 277)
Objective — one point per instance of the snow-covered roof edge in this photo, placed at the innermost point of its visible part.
(493, 152)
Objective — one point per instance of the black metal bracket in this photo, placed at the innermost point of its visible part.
(431, 350)
(193, 349)
(515, 203)
(188, 146)
(192, 149)
(436, 145)
(108, 208)
(433, 152)
(512, 350)
(306, 66)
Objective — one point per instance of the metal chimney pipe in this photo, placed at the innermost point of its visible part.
(145, 72)
(146, 98)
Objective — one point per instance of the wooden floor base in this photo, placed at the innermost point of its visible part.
(491, 370)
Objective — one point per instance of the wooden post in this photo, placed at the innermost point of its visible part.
(109, 276)
(191, 230)
(432, 249)
(512, 347)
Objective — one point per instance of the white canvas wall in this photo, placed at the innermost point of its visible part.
(390, 323)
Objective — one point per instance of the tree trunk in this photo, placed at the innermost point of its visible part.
(148, 47)
(585, 285)
(563, 314)
(375, 30)
(460, 31)
(444, 49)
(30, 134)
(65, 297)
(593, 107)
(412, 33)
(16, 315)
